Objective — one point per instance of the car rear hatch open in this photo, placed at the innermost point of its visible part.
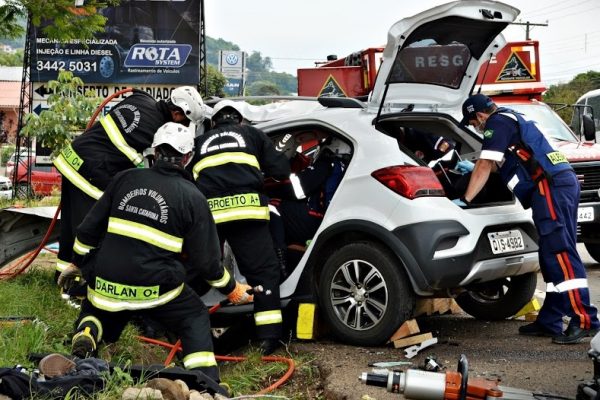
(432, 59)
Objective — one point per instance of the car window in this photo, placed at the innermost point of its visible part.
(42, 168)
(547, 121)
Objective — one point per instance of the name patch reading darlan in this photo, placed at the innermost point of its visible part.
(126, 292)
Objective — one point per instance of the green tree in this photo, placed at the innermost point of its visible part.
(257, 63)
(263, 88)
(12, 60)
(68, 22)
(70, 110)
(568, 93)
(216, 81)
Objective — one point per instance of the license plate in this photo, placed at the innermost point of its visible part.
(506, 241)
(585, 214)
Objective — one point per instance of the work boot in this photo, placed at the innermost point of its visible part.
(573, 334)
(84, 345)
(55, 364)
(535, 329)
(268, 346)
(282, 258)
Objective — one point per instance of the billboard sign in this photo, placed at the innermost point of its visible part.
(144, 42)
(232, 63)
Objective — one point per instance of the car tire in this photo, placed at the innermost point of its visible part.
(364, 277)
(499, 299)
(594, 250)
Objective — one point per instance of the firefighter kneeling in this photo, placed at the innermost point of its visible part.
(146, 220)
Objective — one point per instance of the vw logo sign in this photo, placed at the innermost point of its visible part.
(231, 59)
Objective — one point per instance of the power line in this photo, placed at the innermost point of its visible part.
(547, 11)
(577, 12)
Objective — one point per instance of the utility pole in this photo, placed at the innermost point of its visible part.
(527, 27)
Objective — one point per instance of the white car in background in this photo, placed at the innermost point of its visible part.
(391, 233)
(5, 188)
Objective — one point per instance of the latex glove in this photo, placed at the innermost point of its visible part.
(239, 295)
(459, 202)
(465, 166)
(70, 277)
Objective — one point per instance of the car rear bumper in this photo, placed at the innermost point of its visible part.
(489, 270)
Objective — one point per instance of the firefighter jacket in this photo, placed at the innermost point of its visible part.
(113, 143)
(524, 154)
(157, 233)
(228, 168)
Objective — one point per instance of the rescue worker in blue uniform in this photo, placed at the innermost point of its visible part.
(228, 168)
(147, 236)
(111, 145)
(541, 178)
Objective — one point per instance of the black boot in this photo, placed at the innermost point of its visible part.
(282, 258)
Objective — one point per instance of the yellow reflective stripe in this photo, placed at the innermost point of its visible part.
(145, 233)
(125, 292)
(61, 265)
(80, 248)
(115, 136)
(199, 359)
(241, 213)
(113, 305)
(267, 317)
(75, 178)
(224, 158)
(72, 158)
(95, 321)
(219, 283)
(234, 201)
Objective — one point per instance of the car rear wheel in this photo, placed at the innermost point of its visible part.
(499, 299)
(594, 250)
(364, 294)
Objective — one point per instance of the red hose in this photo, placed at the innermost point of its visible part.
(177, 347)
(24, 262)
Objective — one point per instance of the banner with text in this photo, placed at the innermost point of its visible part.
(144, 42)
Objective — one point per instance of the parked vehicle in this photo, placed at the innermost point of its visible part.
(391, 233)
(45, 179)
(12, 160)
(590, 105)
(5, 188)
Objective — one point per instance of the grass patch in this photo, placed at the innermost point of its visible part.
(34, 294)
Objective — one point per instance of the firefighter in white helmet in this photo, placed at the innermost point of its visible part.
(145, 239)
(111, 145)
(228, 167)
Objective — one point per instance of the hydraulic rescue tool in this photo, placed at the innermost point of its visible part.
(450, 385)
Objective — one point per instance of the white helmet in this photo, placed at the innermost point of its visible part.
(175, 135)
(226, 104)
(338, 147)
(188, 99)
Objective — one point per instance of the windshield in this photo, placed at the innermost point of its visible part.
(547, 121)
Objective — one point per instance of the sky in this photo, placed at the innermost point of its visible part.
(296, 33)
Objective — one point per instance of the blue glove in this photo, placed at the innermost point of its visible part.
(464, 166)
(459, 202)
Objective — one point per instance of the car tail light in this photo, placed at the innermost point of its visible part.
(410, 181)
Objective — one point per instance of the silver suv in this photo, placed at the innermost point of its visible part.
(391, 233)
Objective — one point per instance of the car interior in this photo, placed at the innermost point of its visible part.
(463, 146)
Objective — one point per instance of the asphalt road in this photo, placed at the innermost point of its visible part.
(493, 349)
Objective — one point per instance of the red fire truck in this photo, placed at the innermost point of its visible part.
(513, 79)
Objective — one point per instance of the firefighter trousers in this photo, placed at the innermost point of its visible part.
(554, 209)
(252, 246)
(186, 316)
(75, 204)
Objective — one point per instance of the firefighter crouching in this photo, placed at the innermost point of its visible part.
(111, 145)
(228, 168)
(146, 220)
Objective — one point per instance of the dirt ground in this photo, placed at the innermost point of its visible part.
(493, 349)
